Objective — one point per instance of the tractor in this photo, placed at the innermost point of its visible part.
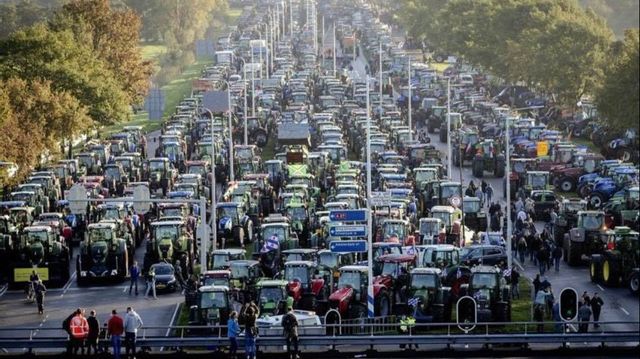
(537, 180)
(393, 283)
(220, 258)
(518, 175)
(299, 214)
(160, 174)
(565, 177)
(488, 158)
(258, 132)
(474, 215)
(170, 241)
(464, 146)
(603, 190)
(350, 297)
(446, 192)
(584, 238)
(212, 308)
(273, 298)
(305, 286)
(430, 298)
(234, 224)
(40, 249)
(396, 231)
(567, 217)
(115, 179)
(103, 255)
(279, 226)
(436, 118)
(619, 261)
(487, 286)
(431, 231)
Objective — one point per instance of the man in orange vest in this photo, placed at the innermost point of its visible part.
(79, 331)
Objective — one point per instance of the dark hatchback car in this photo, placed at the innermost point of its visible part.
(165, 277)
(483, 254)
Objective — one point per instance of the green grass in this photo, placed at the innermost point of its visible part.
(152, 51)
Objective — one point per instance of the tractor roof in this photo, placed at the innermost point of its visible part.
(300, 263)
(354, 268)
(435, 271)
(485, 269)
(397, 258)
(271, 283)
(229, 251)
(102, 225)
(213, 288)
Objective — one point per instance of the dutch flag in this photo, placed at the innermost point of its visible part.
(271, 244)
(413, 302)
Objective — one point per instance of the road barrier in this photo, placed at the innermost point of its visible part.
(610, 334)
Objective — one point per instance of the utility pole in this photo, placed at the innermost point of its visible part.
(410, 100)
(449, 154)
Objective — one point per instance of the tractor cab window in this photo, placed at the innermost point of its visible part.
(449, 191)
(425, 176)
(220, 260)
(487, 147)
(35, 237)
(444, 217)
(173, 212)
(244, 153)
(297, 273)
(112, 213)
(213, 300)
(444, 258)
(471, 206)
(227, 211)
(484, 280)
(423, 281)
(349, 280)
(270, 231)
(156, 166)
(328, 259)
(591, 221)
(537, 181)
(429, 227)
(271, 294)
(196, 169)
(162, 232)
(394, 229)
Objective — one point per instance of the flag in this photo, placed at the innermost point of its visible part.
(413, 302)
(271, 244)
(458, 273)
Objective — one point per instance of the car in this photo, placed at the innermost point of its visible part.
(165, 277)
(483, 255)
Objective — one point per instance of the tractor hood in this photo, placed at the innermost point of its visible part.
(383, 280)
(36, 252)
(99, 252)
(341, 294)
(165, 248)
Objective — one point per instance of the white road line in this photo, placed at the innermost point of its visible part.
(173, 317)
(4, 289)
(625, 311)
(68, 285)
(600, 287)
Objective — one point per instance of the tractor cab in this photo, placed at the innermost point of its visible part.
(220, 258)
(441, 256)
(431, 230)
(537, 180)
(474, 215)
(213, 306)
(272, 297)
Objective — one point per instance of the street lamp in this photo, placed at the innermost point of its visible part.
(410, 100)
(253, 84)
(231, 169)
(508, 187)
(370, 308)
(244, 91)
(449, 154)
(213, 184)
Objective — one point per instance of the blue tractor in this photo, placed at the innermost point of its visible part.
(604, 188)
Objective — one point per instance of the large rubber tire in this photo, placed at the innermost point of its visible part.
(595, 268)
(583, 191)
(438, 313)
(502, 313)
(597, 200)
(261, 138)
(248, 230)
(500, 169)
(238, 235)
(382, 304)
(567, 184)
(477, 167)
(574, 253)
(634, 283)
(443, 136)
(624, 154)
(431, 129)
(610, 273)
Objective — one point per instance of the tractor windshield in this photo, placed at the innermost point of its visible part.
(270, 231)
(297, 273)
(484, 280)
(227, 211)
(424, 176)
(156, 166)
(449, 191)
(440, 258)
(471, 205)
(423, 281)
(271, 294)
(328, 259)
(429, 227)
(196, 169)
(19, 216)
(575, 206)
(111, 213)
(40, 236)
(173, 212)
(349, 280)
(391, 269)
(537, 181)
(215, 300)
(244, 153)
(220, 260)
(85, 161)
(591, 221)
(163, 232)
(589, 165)
(394, 229)
(112, 172)
(443, 216)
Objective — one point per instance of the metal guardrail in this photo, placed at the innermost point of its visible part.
(448, 334)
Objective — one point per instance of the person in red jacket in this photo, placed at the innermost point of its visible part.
(79, 331)
(115, 328)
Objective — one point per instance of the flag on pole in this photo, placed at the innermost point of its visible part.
(271, 244)
(413, 302)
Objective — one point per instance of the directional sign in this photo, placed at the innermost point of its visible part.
(348, 215)
(141, 196)
(348, 231)
(77, 197)
(348, 246)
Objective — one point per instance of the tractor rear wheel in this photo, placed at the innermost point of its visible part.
(597, 199)
(438, 313)
(574, 253)
(383, 304)
(610, 273)
(238, 235)
(634, 282)
(595, 268)
(567, 184)
(503, 310)
(477, 167)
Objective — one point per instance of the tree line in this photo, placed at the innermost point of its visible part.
(79, 69)
(554, 46)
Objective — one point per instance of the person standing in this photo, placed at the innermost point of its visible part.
(584, 316)
(555, 313)
(489, 193)
(134, 271)
(94, 331)
(40, 290)
(515, 281)
(132, 322)
(151, 283)
(250, 333)
(480, 195)
(79, 331)
(539, 306)
(290, 325)
(115, 328)
(522, 249)
(537, 283)
(557, 255)
(233, 329)
(596, 307)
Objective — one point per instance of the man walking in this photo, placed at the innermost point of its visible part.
(134, 271)
(515, 280)
(151, 283)
(40, 289)
(94, 331)
(584, 316)
(557, 255)
(115, 328)
(132, 322)
(489, 193)
(79, 331)
(290, 325)
(233, 329)
(596, 307)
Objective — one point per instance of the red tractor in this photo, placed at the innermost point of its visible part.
(391, 286)
(305, 286)
(350, 297)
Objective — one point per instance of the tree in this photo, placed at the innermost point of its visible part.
(114, 36)
(618, 100)
(38, 53)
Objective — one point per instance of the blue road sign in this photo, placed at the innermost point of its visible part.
(348, 246)
(348, 215)
(348, 231)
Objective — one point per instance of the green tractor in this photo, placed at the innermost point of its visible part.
(273, 298)
(432, 299)
(618, 264)
(537, 180)
(464, 146)
(474, 215)
(491, 293)
(584, 238)
(567, 217)
(103, 255)
(299, 214)
(170, 241)
(488, 158)
(212, 308)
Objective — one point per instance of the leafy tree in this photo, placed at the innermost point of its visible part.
(38, 53)
(14, 16)
(618, 100)
(114, 36)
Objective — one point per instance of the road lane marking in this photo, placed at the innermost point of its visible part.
(4, 289)
(173, 317)
(600, 287)
(68, 285)
(40, 326)
(625, 311)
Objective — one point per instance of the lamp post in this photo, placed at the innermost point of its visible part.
(380, 71)
(231, 169)
(253, 86)
(244, 91)
(449, 154)
(213, 184)
(334, 49)
(410, 100)
(370, 308)
(291, 20)
(508, 185)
